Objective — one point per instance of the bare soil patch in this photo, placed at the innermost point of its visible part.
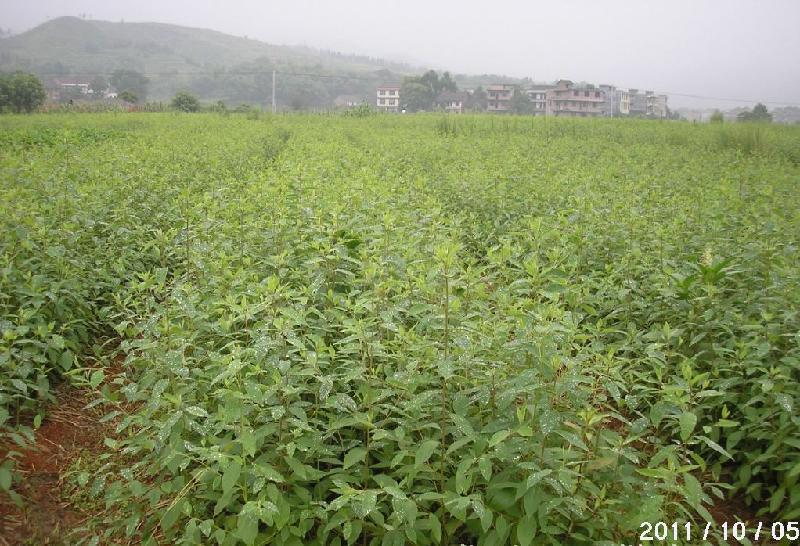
(70, 430)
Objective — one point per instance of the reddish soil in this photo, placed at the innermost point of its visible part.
(70, 431)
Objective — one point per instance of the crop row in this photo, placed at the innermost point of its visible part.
(375, 330)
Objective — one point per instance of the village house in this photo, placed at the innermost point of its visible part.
(569, 101)
(660, 109)
(388, 98)
(452, 102)
(638, 105)
(58, 89)
(80, 87)
(617, 101)
(648, 104)
(538, 97)
(498, 97)
(348, 101)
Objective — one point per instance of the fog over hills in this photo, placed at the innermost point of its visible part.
(699, 53)
(212, 64)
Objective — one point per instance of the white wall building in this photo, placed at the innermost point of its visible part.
(388, 98)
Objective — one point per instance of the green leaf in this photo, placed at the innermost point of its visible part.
(57, 341)
(205, 526)
(526, 530)
(727, 423)
(96, 378)
(171, 515)
(231, 475)
(658, 411)
(463, 476)
(365, 503)
(248, 440)
(197, 411)
(354, 456)
(406, 510)
(269, 472)
(692, 490)
(425, 451)
(436, 528)
(247, 523)
(785, 401)
(716, 447)
(485, 466)
(66, 360)
(574, 440)
(20, 385)
(777, 499)
(536, 477)
(688, 421)
(498, 437)
(5, 478)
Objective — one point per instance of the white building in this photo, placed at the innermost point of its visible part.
(538, 97)
(388, 98)
(617, 101)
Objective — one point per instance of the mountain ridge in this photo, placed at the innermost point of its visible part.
(176, 56)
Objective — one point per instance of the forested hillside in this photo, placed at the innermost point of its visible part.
(213, 65)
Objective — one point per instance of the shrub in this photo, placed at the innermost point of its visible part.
(185, 102)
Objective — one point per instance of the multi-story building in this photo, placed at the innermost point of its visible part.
(624, 101)
(538, 97)
(648, 104)
(498, 97)
(570, 101)
(617, 101)
(660, 109)
(638, 102)
(388, 98)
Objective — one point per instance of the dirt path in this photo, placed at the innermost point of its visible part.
(71, 432)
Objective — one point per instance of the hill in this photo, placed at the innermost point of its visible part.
(210, 63)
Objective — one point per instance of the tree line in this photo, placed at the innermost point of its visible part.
(21, 92)
(421, 93)
(759, 114)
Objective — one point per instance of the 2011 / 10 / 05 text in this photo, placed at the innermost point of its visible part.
(686, 532)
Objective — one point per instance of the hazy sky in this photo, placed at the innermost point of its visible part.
(746, 49)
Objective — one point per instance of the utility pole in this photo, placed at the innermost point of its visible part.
(273, 91)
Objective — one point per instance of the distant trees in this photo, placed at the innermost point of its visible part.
(759, 113)
(446, 83)
(21, 92)
(786, 114)
(5, 93)
(520, 102)
(298, 93)
(420, 92)
(716, 117)
(128, 96)
(70, 94)
(478, 100)
(132, 81)
(98, 84)
(185, 102)
(416, 96)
